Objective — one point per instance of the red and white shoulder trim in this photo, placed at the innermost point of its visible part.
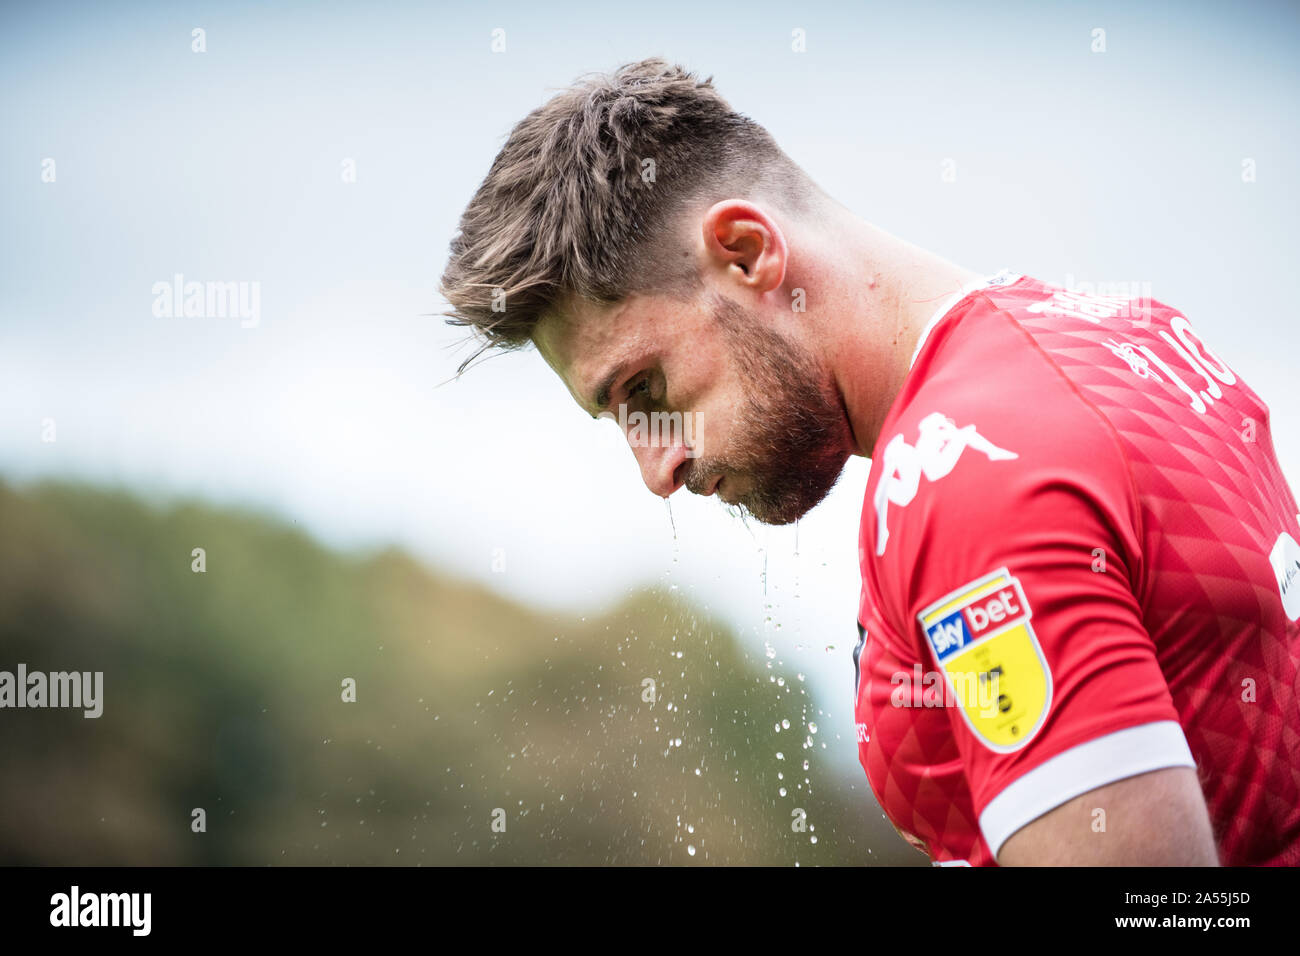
(1103, 760)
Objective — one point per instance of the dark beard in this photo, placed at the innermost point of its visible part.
(791, 426)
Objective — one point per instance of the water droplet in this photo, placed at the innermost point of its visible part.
(691, 850)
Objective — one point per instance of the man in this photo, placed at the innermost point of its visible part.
(1079, 562)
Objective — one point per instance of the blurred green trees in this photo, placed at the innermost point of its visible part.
(223, 691)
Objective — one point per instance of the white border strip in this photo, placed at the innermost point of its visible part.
(1124, 753)
(1005, 277)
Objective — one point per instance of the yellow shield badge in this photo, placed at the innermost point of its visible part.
(992, 662)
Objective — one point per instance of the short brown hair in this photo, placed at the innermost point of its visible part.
(568, 209)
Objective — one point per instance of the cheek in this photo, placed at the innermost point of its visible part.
(721, 425)
(714, 392)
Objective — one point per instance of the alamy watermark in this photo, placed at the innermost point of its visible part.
(953, 689)
(129, 910)
(75, 689)
(1128, 299)
(208, 300)
(658, 429)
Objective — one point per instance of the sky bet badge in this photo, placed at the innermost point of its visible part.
(991, 659)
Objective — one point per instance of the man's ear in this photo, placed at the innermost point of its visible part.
(744, 245)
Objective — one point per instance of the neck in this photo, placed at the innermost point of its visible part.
(877, 292)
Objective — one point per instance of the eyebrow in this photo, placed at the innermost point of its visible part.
(601, 397)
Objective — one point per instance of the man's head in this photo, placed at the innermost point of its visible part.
(635, 229)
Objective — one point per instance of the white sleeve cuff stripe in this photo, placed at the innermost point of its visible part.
(1124, 753)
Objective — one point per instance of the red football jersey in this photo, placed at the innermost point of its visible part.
(1079, 563)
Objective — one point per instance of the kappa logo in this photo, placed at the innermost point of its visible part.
(939, 445)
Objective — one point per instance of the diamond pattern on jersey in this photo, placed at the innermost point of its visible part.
(1212, 505)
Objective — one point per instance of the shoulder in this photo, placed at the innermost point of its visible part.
(992, 454)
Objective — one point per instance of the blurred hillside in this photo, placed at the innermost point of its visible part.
(222, 690)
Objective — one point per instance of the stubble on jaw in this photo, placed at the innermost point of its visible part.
(790, 428)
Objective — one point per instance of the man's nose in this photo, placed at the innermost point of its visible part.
(663, 465)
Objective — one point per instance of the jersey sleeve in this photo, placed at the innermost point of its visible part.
(1011, 572)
